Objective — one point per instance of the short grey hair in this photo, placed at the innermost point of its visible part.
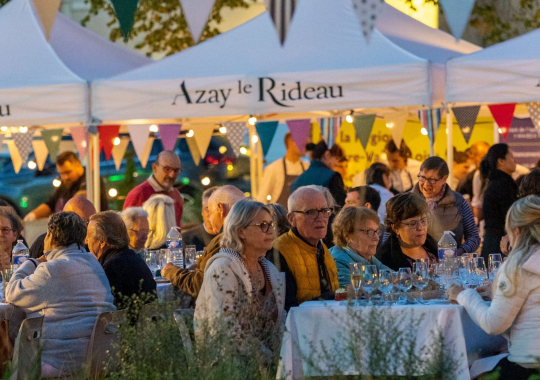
(327, 194)
(67, 228)
(208, 192)
(241, 215)
(9, 213)
(227, 195)
(300, 192)
(131, 214)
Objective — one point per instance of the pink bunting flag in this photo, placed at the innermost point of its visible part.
(503, 115)
(169, 135)
(300, 132)
(81, 138)
(107, 134)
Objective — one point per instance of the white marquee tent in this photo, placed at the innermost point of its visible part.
(36, 87)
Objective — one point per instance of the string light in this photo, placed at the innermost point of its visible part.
(23, 129)
(190, 133)
(113, 193)
(254, 139)
(349, 117)
(243, 150)
(116, 141)
(252, 120)
(153, 128)
(32, 165)
(423, 131)
(3, 128)
(56, 182)
(222, 149)
(222, 129)
(205, 181)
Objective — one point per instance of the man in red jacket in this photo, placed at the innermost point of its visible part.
(165, 171)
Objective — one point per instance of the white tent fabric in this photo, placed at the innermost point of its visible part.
(35, 85)
(324, 65)
(90, 55)
(423, 41)
(507, 72)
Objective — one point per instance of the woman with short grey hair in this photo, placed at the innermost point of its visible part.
(136, 221)
(69, 288)
(241, 287)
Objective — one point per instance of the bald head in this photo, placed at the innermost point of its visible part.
(219, 205)
(166, 169)
(80, 206)
(303, 196)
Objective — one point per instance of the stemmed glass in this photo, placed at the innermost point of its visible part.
(404, 279)
(190, 253)
(420, 277)
(355, 269)
(386, 282)
(480, 270)
(369, 279)
(464, 270)
(493, 269)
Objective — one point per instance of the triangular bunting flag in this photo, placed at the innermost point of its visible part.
(330, 128)
(192, 145)
(235, 135)
(367, 12)
(266, 131)
(300, 131)
(143, 159)
(118, 152)
(196, 13)
(503, 115)
(430, 120)
(203, 135)
(107, 134)
(80, 137)
(282, 12)
(47, 10)
(534, 113)
(466, 119)
(15, 156)
(40, 152)
(52, 139)
(396, 124)
(125, 13)
(139, 136)
(23, 142)
(169, 135)
(363, 124)
(457, 13)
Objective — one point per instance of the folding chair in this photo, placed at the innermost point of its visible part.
(184, 319)
(26, 362)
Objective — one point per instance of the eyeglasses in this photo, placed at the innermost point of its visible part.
(431, 181)
(314, 213)
(140, 232)
(415, 223)
(169, 170)
(371, 233)
(5, 230)
(265, 226)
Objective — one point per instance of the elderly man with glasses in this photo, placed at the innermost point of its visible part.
(310, 270)
(165, 171)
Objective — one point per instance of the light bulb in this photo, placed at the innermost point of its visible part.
(243, 150)
(423, 131)
(252, 120)
(56, 182)
(190, 133)
(389, 125)
(222, 130)
(254, 139)
(222, 149)
(32, 165)
(113, 193)
(23, 129)
(4, 128)
(116, 141)
(349, 119)
(205, 181)
(153, 128)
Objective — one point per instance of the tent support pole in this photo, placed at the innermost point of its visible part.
(255, 161)
(89, 172)
(96, 175)
(449, 143)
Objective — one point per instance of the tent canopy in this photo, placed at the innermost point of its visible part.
(325, 64)
(90, 55)
(503, 73)
(35, 85)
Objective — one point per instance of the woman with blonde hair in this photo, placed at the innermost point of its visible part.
(514, 310)
(161, 217)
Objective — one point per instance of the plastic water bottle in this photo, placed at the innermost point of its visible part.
(20, 254)
(447, 246)
(174, 239)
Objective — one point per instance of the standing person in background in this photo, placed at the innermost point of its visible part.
(203, 234)
(320, 173)
(476, 154)
(460, 169)
(280, 174)
(165, 172)
(73, 177)
(161, 219)
(378, 178)
(500, 193)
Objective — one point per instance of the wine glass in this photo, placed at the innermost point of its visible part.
(404, 279)
(369, 279)
(420, 277)
(494, 257)
(480, 270)
(355, 269)
(464, 265)
(493, 269)
(386, 282)
(190, 253)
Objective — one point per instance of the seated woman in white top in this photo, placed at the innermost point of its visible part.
(515, 309)
(242, 297)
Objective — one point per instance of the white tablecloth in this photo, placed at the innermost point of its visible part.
(168, 293)
(316, 322)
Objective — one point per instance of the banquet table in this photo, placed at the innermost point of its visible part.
(169, 293)
(325, 322)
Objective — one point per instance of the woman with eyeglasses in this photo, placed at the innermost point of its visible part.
(356, 235)
(242, 293)
(407, 217)
(449, 211)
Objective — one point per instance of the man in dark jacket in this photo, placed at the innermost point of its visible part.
(320, 173)
(128, 274)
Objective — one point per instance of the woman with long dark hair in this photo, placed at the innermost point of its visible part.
(500, 193)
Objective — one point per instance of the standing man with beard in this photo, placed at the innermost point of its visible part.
(73, 177)
(165, 171)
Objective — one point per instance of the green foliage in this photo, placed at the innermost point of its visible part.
(161, 23)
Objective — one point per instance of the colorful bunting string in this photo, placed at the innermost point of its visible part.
(300, 132)
(23, 142)
(196, 13)
(202, 135)
(457, 13)
(192, 145)
(139, 135)
(282, 12)
(119, 151)
(80, 137)
(235, 135)
(367, 12)
(430, 120)
(40, 153)
(107, 134)
(169, 135)
(363, 124)
(330, 128)
(396, 124)
(503, 115)
(266, 131)
(52, 139)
